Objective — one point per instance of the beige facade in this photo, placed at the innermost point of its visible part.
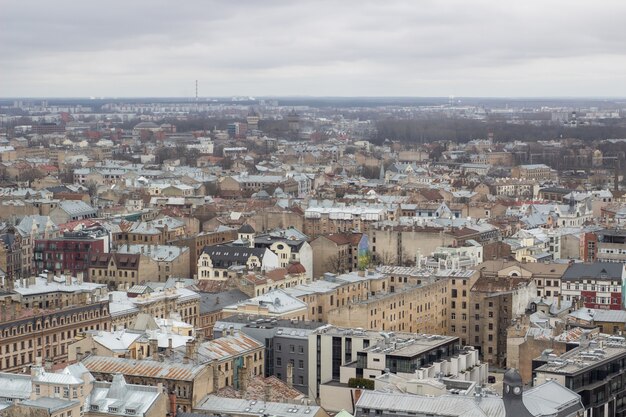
(198, 242)
(421, 309)
(459, 306)
(121, 270)
(28, 334)
(335, 253)
(495, 300)
(160, 305)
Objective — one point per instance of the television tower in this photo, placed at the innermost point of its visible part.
(197, 108)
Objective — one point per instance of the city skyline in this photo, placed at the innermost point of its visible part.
(315, 49)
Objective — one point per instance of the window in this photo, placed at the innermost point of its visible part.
(300, 364)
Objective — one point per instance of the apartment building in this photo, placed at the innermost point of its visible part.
(598, 285)
(336, 253)
(321, 220)
(275, 304)
(28, 333)
(533, 172)
(170, 261)
(197, 242)
(416, 356)
(286, 345)
(236, 358)
(495, 300)
(460, 283)
(153, 232)
(594, 370)
(120, 270)
(69, 254)
(48, 291)
(419, 308)
(190, 381)
(159, 303)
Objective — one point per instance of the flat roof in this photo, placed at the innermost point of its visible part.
(410, 346)
(591, 355)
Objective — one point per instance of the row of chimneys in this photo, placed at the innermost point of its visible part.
(191, 348)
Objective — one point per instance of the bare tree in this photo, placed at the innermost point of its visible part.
(386, 258)
(333, 264)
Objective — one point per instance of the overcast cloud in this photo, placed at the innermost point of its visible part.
(319, 48)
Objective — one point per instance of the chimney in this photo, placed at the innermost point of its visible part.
(172, 396)
(49, 277)
(169, 346)
(154, 348)
(189, 349)
(48, 365)
(558, 300)
(79, 278)
(185, 359)
(290, 375)
(13, 313)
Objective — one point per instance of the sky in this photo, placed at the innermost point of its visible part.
(415, 48)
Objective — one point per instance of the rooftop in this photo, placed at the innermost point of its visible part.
(589, 355)
(221, 405)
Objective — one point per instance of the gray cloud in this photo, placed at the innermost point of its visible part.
(312, 47)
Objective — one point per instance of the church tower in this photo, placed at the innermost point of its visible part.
(512, 390)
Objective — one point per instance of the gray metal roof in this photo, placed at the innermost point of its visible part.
(596, 270)
(217, 301)
(552, 399)
(445, 405)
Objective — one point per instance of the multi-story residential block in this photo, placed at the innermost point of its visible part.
(159, 231)
(275, 304)
(73, 392)
(597, 285)
(607, 245)
(534, 172)
(11, 258)
(125, 306)
(69, 254)
(48, 291)
(170, 261)
(255, 284)
(212, 306)
(72, 210)
(496, 298)
(28, 333)
(460, 283)
(286, 345)
(410, 356)
(336, 253)
(594, 370)
(409, 308)
(394, 243)
(290, 246)
(215, 262)
(117, 269)
(198, 242)
(235, 358)
(322, 220)
(190, 382)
